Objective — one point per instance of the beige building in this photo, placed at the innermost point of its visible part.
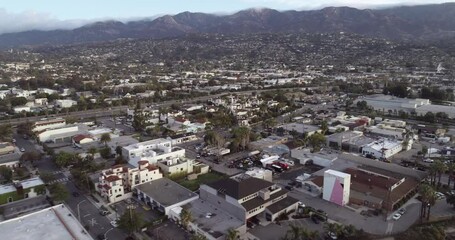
(116, 183)
(176, 165)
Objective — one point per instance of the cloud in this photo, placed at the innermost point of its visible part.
(30, 20)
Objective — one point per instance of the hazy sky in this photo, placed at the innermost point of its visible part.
(20, 15)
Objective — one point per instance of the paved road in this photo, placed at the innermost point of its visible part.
(90, 216)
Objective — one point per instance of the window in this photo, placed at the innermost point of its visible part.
(10, 199)
(26, 195)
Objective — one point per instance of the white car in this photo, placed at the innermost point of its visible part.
(440, 195)
(22, 149)
(396, 216)
(428, 160)
(114, 223)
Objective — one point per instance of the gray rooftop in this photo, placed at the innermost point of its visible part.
(166, 192)
(54, 223)
(220, 221)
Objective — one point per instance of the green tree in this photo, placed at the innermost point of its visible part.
(131, 221)
(317, 140)
(30, 157)
(440, 169)
(118, 150)
(334, 228)
(47, 177)
(64, 159)
(92, 151)
(428, 199)
(6, 131)
(6, 173)
(58, 192)
(424, 150)
(185, 217)
(105, 138)
(450, 199)
(18, 101)
(450, 172)
(105, 152)
(324, 127)
(232, 234)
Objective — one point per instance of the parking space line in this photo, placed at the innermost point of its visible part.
(86, 215)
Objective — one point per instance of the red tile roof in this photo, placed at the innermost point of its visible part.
(112, 178)
(80, 137)
(143, 162)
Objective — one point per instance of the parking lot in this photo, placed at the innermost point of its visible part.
(145, 211)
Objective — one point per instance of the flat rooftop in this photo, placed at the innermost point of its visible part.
(54, 223)
(146, 143)
(219, 222)
(166, 191)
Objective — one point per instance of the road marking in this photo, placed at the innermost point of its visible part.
(93, 222)
(86, 215)
(389, 228)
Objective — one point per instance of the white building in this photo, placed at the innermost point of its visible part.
(152, 151)
(176, 165)
(382, 149)
(48, 123)
(20, 109)
(322, 158)
(337, 186)
(116, 183)
(65, 103)
(58, 134)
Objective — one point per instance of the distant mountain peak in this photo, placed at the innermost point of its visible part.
(423, 22)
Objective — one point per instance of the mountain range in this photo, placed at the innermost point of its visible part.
(409, 23)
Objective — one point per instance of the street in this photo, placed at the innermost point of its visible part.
(89, 213)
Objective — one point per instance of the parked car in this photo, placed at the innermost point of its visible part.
(315, 219)
(440, 195)
(396, 216)
(290, 188)
(22, 149)
(428, 160)
(332, 235)
(115, 223)
(401, 211)
(101, 237)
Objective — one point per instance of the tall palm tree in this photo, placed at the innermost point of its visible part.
(105, 138)
(440, 169)
(450, 171)
(232, 234)
(428, 198)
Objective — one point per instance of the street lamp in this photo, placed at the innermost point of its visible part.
(105, 234)
(79, 211)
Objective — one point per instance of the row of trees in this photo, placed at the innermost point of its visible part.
(341, 231)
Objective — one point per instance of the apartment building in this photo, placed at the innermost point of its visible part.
(152, 151)
(176, 165)
(116, 183)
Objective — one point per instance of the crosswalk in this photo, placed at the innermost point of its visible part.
(61, 180)
(57, 172)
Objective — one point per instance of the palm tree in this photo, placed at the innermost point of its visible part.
(440, 169)
(185, 218)
(433, 172)
(92, 151)
(232, 234)
(428, 198)
(294, 232)
(105, 138)
(450, 171)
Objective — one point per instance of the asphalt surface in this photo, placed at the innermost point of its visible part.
(89, 213)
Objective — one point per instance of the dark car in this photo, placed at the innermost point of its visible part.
(290, 188)
(101, 237)
(315, 219)
(76, 194)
